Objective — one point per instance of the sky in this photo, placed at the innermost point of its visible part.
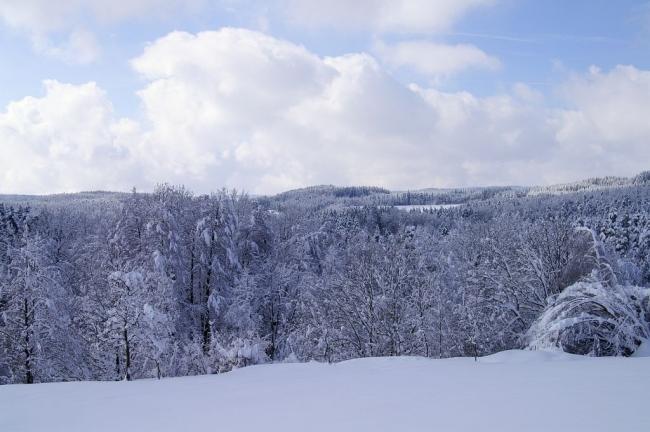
(266, 96)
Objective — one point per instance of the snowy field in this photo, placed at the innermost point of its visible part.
(422, 207)
(509, 391)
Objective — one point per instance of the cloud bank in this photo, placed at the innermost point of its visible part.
(239, 108)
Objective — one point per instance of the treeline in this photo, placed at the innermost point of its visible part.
(171, 284)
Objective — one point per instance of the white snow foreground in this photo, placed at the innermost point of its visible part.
(509, 391)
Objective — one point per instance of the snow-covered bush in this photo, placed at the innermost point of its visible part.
(240, 352)
(595, 319)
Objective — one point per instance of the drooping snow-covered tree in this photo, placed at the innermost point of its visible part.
(594, 318)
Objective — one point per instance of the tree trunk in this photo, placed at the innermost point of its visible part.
(29, 374)
(127, 355)
(206, 317)
(191, 287)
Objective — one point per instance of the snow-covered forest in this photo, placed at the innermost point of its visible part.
(110, 286)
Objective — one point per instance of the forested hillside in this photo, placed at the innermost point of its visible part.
(103, 286)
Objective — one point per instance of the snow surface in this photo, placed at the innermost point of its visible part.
(509, 391)
(422, 207)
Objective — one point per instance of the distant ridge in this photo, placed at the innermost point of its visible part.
(452, 195)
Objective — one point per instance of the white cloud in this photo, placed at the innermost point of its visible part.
(80, 48)
(44, 16)
(215, 97)
(64, 141)
(615, 104)
(241, 109)
(36, 16)
(41, 19)
(45, 21)
(607, 127)
(435, 59)
(400, 16)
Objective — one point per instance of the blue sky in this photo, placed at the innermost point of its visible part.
(552, 63)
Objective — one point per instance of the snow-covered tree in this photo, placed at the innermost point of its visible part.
(594, 318)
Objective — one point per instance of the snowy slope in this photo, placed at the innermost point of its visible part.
(510, 391)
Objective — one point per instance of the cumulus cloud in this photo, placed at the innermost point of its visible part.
(399, 16)
(215, 99)
(63, 141)
(241, 109)
(435, 59)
